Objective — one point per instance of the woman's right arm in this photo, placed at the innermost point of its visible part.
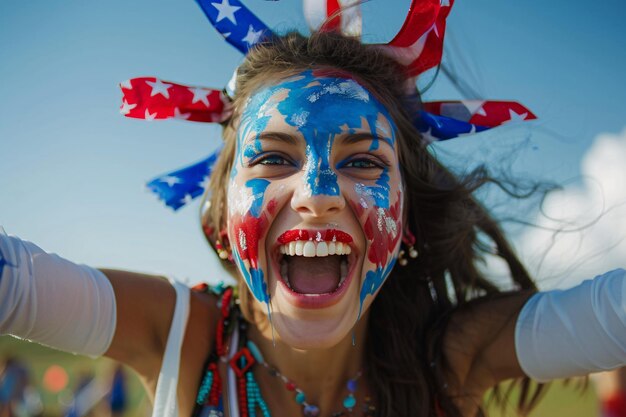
(145, 306)
(76, 308)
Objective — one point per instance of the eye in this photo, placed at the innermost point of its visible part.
(270, 159)
(363, 163)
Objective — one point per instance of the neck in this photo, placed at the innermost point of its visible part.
(321, 374)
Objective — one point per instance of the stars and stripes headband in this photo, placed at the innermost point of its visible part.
(418, 46)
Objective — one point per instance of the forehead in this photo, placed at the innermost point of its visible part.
(317, 102)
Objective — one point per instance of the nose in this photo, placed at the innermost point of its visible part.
(316, 205)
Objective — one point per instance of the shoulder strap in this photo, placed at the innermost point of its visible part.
(165, 403)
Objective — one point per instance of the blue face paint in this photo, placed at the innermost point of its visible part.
(258, 187)
(254, 279)
(373, 281)
(319, 109)
(254, 118)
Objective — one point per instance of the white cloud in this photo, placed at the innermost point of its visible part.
(590, 218)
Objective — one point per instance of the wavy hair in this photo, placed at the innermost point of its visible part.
(411, 313)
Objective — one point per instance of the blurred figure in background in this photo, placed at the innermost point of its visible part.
(611, 389)
(118, 396)
(18, 397)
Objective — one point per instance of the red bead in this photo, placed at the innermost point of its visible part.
(290, 386)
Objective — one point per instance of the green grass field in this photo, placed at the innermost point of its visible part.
(560, 400)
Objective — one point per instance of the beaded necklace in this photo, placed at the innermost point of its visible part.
(209, 402)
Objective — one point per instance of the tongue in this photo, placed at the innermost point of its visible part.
(314, 275)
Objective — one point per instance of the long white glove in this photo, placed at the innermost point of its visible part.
(574, 332)
(52, 301)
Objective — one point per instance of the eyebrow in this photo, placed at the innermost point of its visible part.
(273, 136)
(359, 137)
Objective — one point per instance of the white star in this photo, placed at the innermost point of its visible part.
(475, 107)
(204, 183)
(445, 3)
(186, 199)
(428, 137)
(170, 180)
(226, 11)
(179, 115)
(226, 34)
(200, 94)
(514, 117)
(149, 117)
(159, 87)
(126, 108)
(252, 36)
(126, 84)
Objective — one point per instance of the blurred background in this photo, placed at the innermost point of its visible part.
(72, 169)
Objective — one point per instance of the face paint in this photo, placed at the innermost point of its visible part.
(249, 223)
(382, 229)
(346, 104)
(319, 107)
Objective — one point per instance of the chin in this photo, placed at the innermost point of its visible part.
(308, 329)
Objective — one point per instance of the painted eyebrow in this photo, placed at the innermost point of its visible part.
(273, 136)
(359, 137)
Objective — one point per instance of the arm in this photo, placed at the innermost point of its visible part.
(75, 308)
(554, 334)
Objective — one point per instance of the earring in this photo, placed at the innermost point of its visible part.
(223, 251)
(409, 240)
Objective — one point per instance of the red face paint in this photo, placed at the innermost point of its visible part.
(247, 230)
(383, 229)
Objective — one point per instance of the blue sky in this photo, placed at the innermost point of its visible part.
(72, 168)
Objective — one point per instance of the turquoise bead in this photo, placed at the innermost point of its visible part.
(256, 353)
(349, 402)
(300, 397)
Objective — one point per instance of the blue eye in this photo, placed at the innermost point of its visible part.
(270, 159)
(273, 160)
(363, 163)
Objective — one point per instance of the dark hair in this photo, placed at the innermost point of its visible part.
(411, 312)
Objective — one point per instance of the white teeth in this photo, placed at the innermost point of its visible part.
(299, 247)
(309, 249)
(322, 249)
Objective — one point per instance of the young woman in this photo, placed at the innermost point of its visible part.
(357, 257)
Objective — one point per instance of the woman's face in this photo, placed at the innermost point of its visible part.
(315, 203)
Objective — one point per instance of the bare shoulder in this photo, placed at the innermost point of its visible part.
(479, 342)
(145, 307)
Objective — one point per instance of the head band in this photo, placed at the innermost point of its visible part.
(418, 46)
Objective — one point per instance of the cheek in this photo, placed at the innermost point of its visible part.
(249, 217)
(382, 228)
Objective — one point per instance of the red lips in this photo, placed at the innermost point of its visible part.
(328, 235)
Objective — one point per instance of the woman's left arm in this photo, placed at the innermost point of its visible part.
(549, 335)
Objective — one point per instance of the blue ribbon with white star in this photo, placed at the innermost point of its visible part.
(437, 128)
(236, 23)
(179, 187)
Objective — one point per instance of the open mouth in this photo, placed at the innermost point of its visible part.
(315, 263)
